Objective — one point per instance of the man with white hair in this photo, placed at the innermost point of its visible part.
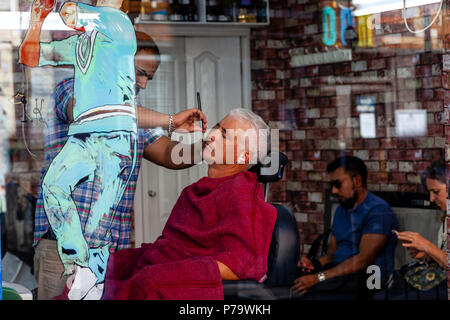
(219, 229)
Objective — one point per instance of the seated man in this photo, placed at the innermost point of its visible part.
(220, 228)
(361, 235)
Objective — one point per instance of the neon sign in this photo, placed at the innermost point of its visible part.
(365, 31)
(334, 29)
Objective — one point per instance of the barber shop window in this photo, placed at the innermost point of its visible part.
(97, 98)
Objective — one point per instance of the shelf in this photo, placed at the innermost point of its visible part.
(138, 20)
(162, 8)
(193, 29)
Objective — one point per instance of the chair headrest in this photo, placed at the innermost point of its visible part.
(270, 169)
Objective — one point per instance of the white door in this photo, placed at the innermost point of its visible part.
(211, 66)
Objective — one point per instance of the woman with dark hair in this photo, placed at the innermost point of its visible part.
(426, 278)
(419, 247)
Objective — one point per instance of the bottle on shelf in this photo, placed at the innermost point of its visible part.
(211, 10)
(219, 11)
(146, 10)
(157, 10)
(241, 11)
(176, 11)
(189, 10)
(261, 11)
(226, 11)
(246, 11)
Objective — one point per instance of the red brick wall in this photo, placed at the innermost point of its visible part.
(313, 115)
(446, 117)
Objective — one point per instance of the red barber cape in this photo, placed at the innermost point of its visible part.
(216, 219)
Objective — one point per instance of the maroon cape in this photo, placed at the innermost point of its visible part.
(224, 219)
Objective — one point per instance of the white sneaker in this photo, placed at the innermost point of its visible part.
(95, 293)
(84, 280)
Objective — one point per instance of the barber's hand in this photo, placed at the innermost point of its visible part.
(305, 264)
(41, 9)
(302, 284)
(415, 241)
(186, 119)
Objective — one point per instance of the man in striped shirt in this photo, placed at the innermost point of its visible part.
(151, 144)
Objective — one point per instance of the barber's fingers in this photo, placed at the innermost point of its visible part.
(197, 114)
(197, 127)
(194, 115)
(201, 115)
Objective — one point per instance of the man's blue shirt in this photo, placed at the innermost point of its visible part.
(373, 215)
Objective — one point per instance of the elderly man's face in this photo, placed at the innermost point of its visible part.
(146, 66)
(222, 144)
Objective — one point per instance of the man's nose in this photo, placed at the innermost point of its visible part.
(334, 190)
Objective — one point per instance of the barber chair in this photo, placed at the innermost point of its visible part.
(284, 248)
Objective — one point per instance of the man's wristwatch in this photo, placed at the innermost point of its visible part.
(321, 276)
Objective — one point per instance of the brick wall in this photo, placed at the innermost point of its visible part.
(314, 105)
(446, 117)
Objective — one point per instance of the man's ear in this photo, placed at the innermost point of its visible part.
(247, 157)
(244, 158)
(357, 181)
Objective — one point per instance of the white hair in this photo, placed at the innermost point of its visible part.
(262, 131)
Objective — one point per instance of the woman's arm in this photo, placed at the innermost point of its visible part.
(415, 241)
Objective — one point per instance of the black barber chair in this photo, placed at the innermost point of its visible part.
(284, 248)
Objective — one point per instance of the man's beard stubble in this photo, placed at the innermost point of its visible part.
(350, 202)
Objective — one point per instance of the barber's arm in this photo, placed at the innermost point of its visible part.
(184, 120)
(164, 151)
